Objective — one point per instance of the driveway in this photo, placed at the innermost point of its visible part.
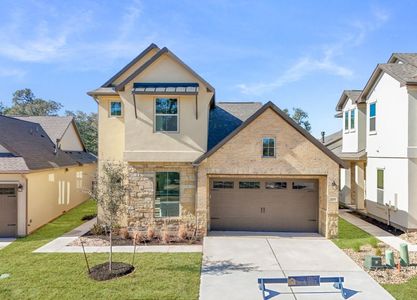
(233, 261)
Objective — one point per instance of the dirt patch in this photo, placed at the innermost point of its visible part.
(386, 275)
(101, 272)
(91, 240)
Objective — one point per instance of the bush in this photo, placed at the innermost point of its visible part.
(98, 230)
(378, 252)
(374, 243)
(150, 233)
(124, 233)
(182, 232)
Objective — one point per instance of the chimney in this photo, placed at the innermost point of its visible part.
(323, 133)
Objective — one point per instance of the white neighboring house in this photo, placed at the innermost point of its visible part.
(379, 143)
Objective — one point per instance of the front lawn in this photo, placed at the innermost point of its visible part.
(63, 276)
(352, 237)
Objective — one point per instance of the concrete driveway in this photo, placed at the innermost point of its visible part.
(233, 261)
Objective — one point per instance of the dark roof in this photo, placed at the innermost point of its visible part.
(102, 91)
(54, 126)
(347, 94)
(284, 116)
(29, 141)
(109, 82)
(154, 58)
(82, 157)
(227, 116)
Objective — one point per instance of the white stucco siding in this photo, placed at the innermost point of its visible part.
(412, 122)
(345, 186)
(412, 192)
(391, 136)
(396, 183)
(350, 136)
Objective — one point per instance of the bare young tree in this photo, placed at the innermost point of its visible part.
(110, 192)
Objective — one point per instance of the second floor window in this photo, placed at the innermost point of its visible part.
(268, 147)
(115, 108)
(372, 117)
(352, 119)
(346, 120)
(166, 114)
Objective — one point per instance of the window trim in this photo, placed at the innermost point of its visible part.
(346, 117)
(155, 114)
(121, 109)
(372, 132)
(275, 147)
(179, 196)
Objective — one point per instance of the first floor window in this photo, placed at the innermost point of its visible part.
(115, 108)
(268, 147)
(166, 114)
(380, 186)
(167, 194)
(372, 117)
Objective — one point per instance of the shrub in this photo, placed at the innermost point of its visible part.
(378, 252)
(165, 237)
(182, 232)
(138, 236)
(98, 230)
(374, 243)
(150, 233)
(124, 233)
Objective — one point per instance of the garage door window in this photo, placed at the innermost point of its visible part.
(301, 185)
(249, 185)
(7, 191)
(277, 185)
(223, 184)
(167, 195)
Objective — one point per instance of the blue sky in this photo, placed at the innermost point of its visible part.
(294, 53)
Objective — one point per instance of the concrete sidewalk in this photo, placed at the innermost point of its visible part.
(379, 233)
(60, 245)
(4, 242)
(232, 263)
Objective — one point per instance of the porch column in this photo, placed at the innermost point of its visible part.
(360, 185)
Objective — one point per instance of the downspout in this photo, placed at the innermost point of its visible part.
(134, 103)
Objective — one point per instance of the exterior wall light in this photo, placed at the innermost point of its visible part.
(20, 187)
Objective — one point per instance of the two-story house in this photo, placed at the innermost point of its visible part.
(379, 143)
(228, 165)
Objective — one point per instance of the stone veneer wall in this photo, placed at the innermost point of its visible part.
(140, 205)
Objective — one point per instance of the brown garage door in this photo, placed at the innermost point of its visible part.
(8, 210)
(264, 205)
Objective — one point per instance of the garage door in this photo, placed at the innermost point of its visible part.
(8, 210)
(264, 205)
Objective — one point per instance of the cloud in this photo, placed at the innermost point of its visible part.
(68, 39)
(327, 60)
(12, 72)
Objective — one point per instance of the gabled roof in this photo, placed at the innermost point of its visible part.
(153, 59)
(103, 91)
(409, 58)
(284, 116)
(334, 142)
(347, 94)
(405, 73)
(109, 82)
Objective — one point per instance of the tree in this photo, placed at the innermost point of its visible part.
(300, 117)
(110, 192)
(87, 125)
(24, 103)
(2, 108)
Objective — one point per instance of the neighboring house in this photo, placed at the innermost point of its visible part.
(380, 143)
(229, 165)
(40, 179)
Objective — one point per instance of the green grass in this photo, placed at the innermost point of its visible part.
(64, 276)
(353, 237)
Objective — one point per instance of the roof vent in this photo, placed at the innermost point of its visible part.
(323, 133)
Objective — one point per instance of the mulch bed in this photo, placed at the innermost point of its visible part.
(384, 226)
(101, 272)
(90, 239)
